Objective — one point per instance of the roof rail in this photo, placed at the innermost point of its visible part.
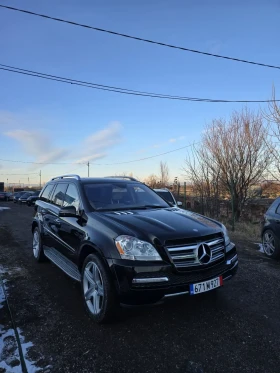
(67, 176)
(122, 177)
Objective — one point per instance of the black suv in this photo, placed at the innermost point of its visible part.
(126, 245)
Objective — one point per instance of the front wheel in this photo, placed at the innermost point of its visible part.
(271, 245)
(98, 290)
(37, 246)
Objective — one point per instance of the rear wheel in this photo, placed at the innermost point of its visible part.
(271, 245)
(98, 290)
(38, 251)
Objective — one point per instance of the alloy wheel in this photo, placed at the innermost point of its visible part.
(93, 288)
(268, 243)
(36, 243)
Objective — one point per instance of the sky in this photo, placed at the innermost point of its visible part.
(49, 122)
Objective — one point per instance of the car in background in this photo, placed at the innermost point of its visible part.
(24, 196)
(33, 198)
(9, 196)
(3, 196)
(168, 196)
(17, 195)
(271, 230)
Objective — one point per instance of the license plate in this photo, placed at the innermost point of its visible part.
(202, 287)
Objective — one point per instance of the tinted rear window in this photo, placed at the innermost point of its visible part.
(59, 194)
(47, 192)
(166, 195)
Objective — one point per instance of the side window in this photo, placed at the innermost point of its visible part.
(278, 209)
(47, 192)
(58, 195)
(72, 197)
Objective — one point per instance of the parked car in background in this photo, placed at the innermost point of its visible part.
(3, 196)
(168, 196)
(126, 245)
(24, 196)
(32, 199)
(17, 195)
(9, 196)
(271, 230)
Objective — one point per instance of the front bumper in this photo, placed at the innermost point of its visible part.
(150, 282)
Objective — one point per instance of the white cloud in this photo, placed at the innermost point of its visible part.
(38, 145)
(41, 146)
(177, 139)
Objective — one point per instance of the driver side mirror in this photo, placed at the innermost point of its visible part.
(179, 203)
(67, 211)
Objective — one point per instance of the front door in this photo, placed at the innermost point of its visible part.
(69, 229)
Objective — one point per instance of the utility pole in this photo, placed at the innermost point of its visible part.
(40, 174)
(185, 192)
(88, 169)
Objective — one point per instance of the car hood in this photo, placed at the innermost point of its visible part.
(160, 224)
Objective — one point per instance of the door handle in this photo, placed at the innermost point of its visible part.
(57, 223)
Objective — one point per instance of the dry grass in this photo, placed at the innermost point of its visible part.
(245, 231)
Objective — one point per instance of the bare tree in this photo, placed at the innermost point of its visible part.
(205, 181)
(152, 181)
(272, 114)
(235, 152)
(164, 174)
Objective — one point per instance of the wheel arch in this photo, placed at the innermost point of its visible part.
(87, 249)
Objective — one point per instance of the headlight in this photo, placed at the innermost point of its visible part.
(227, 239)
(134, 249)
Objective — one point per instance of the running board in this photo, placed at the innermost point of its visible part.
(63, 263)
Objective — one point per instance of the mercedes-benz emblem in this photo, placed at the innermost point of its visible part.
(204, 253)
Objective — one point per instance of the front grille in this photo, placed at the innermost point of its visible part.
(185, 255)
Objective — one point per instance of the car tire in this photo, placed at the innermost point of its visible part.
(37, 246)
(99, 295)
(271, 244)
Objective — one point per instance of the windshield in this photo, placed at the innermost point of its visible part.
(166, 195)
(121, 196)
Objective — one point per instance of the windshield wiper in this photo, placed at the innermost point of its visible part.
(143, 207)
(156, 206)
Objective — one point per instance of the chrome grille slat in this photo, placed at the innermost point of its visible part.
(212, 243)
(217, 249)
(182, 248)
(186, 255)
(217, 257)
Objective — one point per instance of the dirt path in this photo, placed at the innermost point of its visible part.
(236, 330)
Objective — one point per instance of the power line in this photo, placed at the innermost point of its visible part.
(118, 89)
(46, 163)
(138, 38)
(108, 164)
(33, 173)
(143, 159)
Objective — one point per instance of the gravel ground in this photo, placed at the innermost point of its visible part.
(234, 329)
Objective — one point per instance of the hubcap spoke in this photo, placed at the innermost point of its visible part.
(89, 277)
(95, 302)
(100, 291)
(89, 293)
